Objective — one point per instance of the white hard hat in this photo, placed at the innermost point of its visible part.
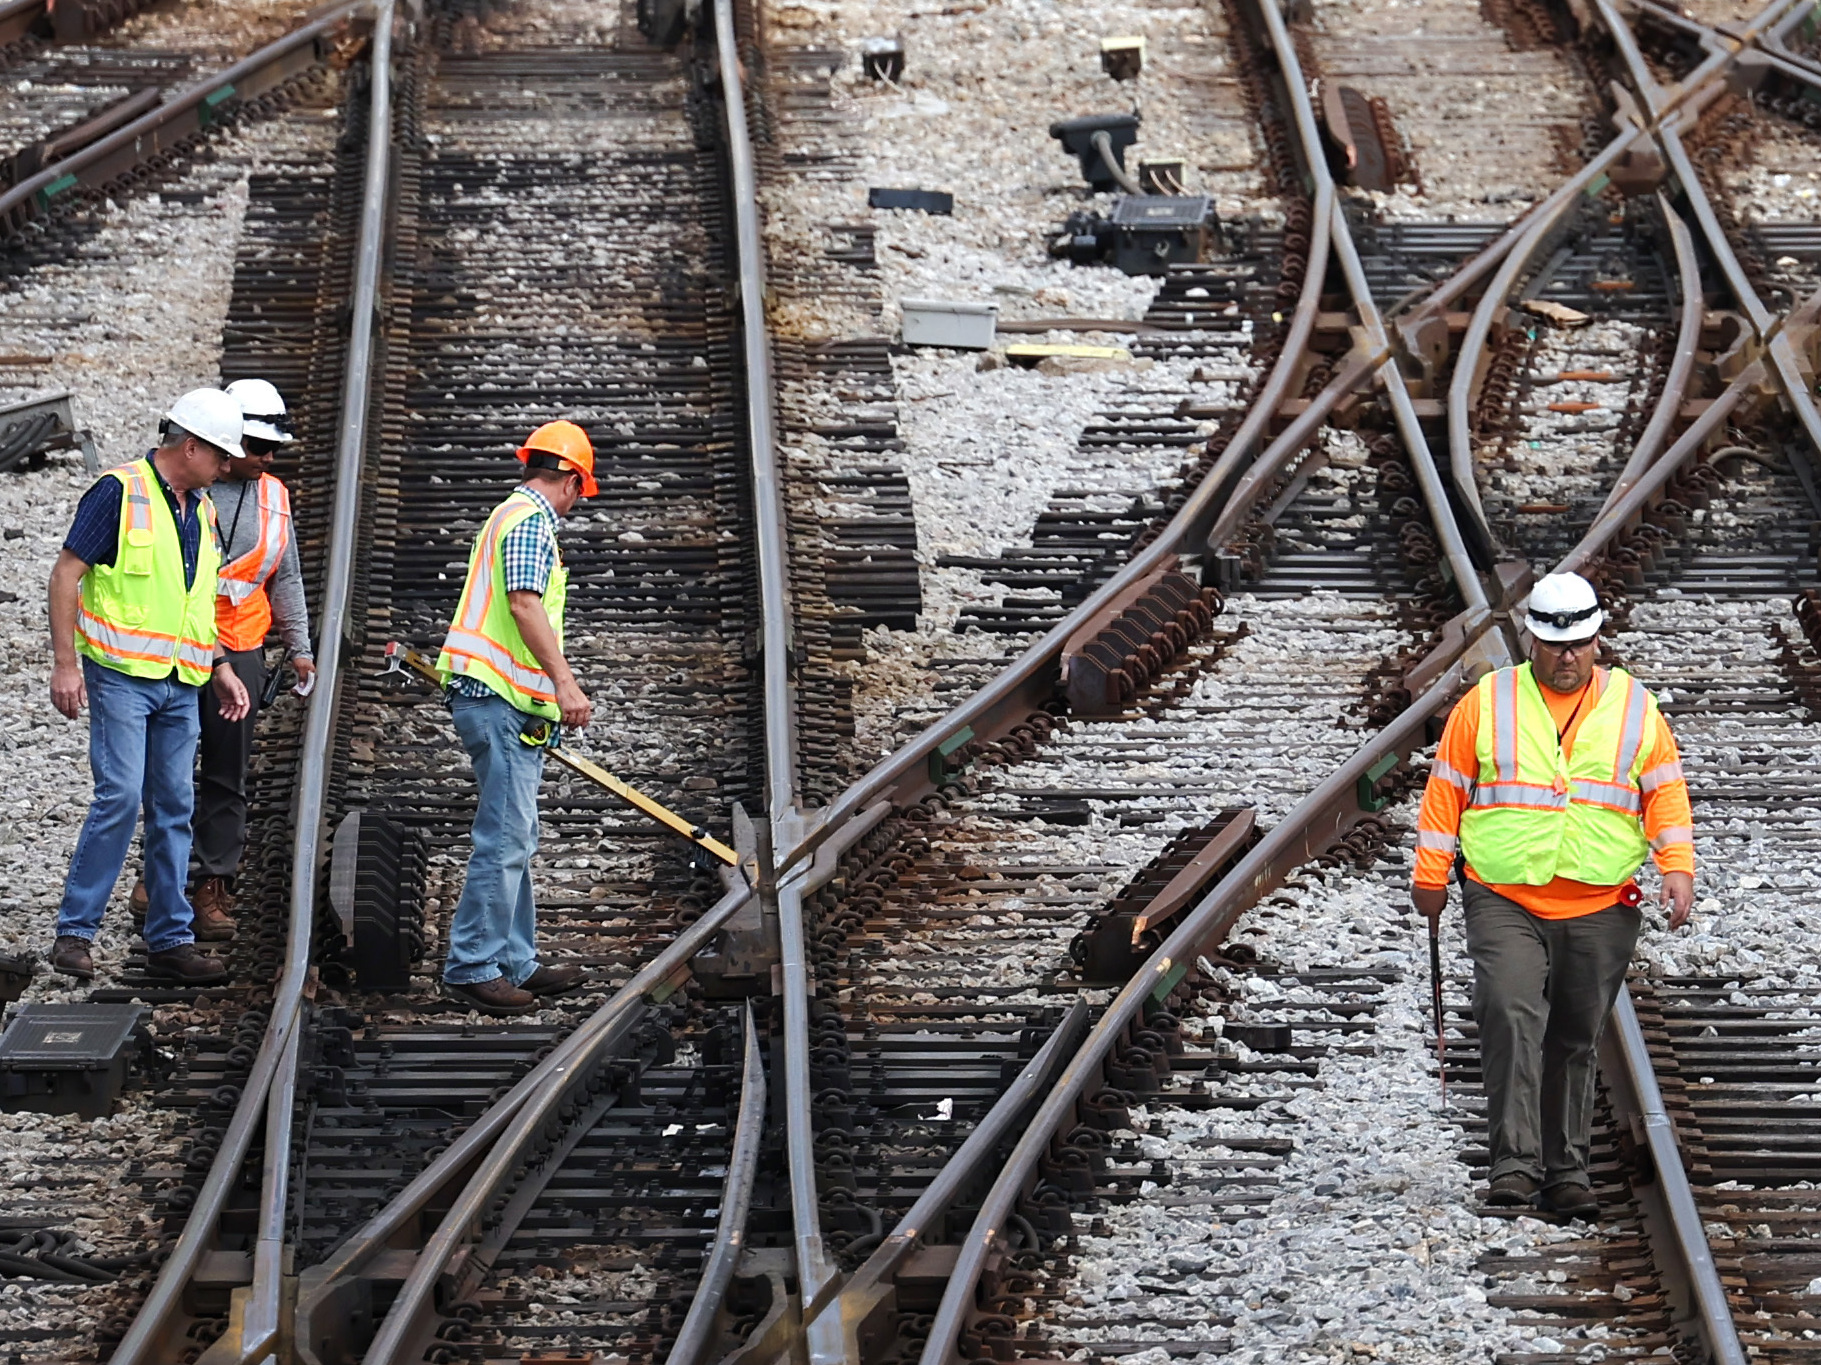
(210, 415)
(1563, 607)
(263, 409)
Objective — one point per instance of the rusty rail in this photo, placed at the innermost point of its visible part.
(187, 112)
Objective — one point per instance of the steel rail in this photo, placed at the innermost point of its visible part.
(1023, 684)
(695, 1335)
(1766, 325)
(1298, 836)
(1624, 512)
(274, 1066)
(1671, 1218)
(868, 1286)
(1027, 682)
(18, 18)
(1669, 108)
(784, 817)
(488, 1155)
(1378, 343)
(1681, 366)
(184, 113)
(1471, 356)
(329, 1295)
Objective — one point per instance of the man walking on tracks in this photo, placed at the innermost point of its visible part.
(260, 578)
(508, 686)
(133, 593)
(1553, 781)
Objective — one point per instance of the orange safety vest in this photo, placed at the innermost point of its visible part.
(243, 611)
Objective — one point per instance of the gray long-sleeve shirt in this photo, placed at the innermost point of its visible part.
(237, 513)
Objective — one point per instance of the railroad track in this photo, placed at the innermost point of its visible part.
(1062, 1067)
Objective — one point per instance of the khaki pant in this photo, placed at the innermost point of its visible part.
(1541, 991)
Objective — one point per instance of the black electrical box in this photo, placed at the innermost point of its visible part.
(376, 884)
(1095, 139)
(1152, 232)
(68, 1059)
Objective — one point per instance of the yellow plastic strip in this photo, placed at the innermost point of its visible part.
(599, 775)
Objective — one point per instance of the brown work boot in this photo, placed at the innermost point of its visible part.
(213, 901)
(139, 902)
(188, 964)
(498, 996)
(70, 955)
(553, 980)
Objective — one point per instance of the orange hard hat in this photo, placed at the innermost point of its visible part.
(557, 445)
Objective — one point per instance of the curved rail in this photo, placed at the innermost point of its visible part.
(273, 1075)
(1669, 1201)
(187, 112)
(693, 1337)
(484, 1166)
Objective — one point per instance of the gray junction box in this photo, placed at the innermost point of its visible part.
(67, 1059)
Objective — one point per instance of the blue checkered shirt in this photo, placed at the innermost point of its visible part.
(529, 555)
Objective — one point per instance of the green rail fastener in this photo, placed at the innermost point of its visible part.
(212, 101)
(55, 188)
(941, 769)
(1600, 182)
(1369, 799)
(1166, 982)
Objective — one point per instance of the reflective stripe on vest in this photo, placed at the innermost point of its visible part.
(1535, 813)
(243, 614)
(484, 641)
(136, 615)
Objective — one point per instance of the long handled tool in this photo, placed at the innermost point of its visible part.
(541, 733)
(1435, 997)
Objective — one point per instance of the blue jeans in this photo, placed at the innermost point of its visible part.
(142, 750)
(494, 929)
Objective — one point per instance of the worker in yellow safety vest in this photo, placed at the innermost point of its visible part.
(1552, 784)
(508, 681)
(260, 583)
(133, 595)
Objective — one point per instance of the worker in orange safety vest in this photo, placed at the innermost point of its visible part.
(1552, 784)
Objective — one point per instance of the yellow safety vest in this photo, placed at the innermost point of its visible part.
(484, 641)
(136, 614)
(1536, 815)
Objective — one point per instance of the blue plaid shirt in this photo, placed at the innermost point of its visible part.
(529, 555)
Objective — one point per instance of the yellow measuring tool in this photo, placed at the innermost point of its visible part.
(539, 732)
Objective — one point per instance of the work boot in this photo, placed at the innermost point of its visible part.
(70, 955)
(213, 901)
(1576, 1201)
(552, 980)
(139, 902)
(498, 996)
(188, 964)
(1511, 1191)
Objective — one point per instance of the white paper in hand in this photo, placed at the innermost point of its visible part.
(305, 686)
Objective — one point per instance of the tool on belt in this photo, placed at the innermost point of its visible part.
(1435, 997)
(546, 735)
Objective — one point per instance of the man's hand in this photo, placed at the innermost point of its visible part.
(1429, 902)
(69, 694)
(577, 709)
(232, 692)
(1679, 894)
(305, 669)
